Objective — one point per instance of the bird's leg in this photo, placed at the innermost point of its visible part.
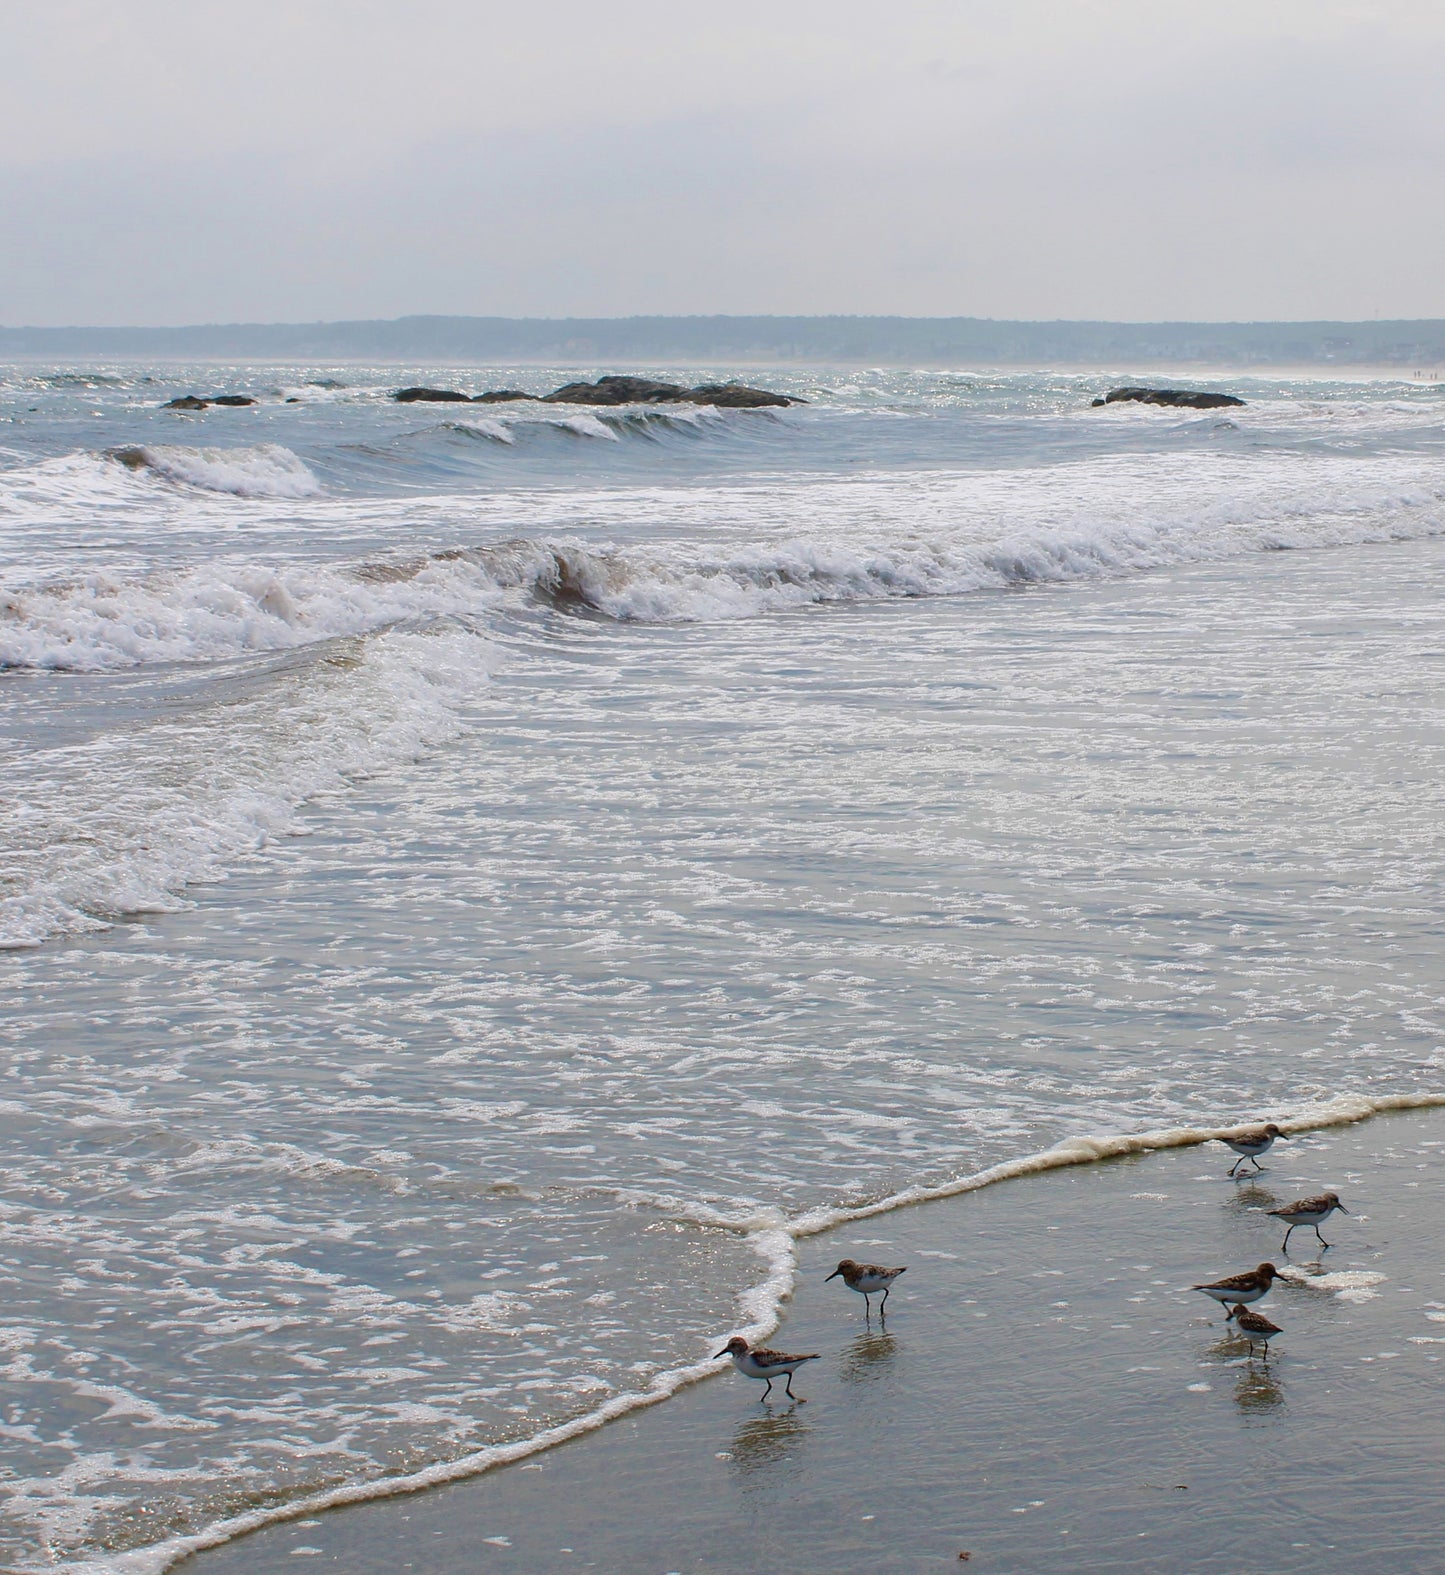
(789, 1387)
(884, 1302)
(1235, 1166)
(1285, 1247)
(1323, 1242)
(1255, 1162)
(767, 1391)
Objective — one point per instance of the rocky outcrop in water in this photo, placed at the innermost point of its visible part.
(738, 396)
(617, 390)
(430, 396)
(612, 390)
(1169, 396)
(198, 402)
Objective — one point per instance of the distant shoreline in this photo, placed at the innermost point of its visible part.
(1401, 348)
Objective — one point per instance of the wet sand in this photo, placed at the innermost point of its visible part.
(1046, 1395)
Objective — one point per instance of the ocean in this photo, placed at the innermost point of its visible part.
(479, 883)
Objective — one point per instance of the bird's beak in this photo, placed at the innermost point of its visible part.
(833, 1276)
(1342, 1208)
(722, 1353)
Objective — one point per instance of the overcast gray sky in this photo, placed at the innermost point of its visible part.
(177, 161)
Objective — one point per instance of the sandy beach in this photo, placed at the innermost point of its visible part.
(1046, 1395)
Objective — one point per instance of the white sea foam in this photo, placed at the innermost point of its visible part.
(266, 470)
(1346, 1285)
(102, 622)
(962, 534)
(129, 826)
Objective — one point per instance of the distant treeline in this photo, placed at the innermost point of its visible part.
(615, 341)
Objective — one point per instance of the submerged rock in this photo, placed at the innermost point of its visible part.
(501, 396)
(619, 390)
(430, 396)
(1170, 396)
(197, 402)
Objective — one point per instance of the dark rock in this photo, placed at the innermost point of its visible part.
(291, 399)
(616, 390)
(500, 396)
(430, 396)
(196, 402)
(1170, 396)
(738, 396)
(324, 382)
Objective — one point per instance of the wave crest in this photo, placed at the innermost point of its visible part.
(265, 470)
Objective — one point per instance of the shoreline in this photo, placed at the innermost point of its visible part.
(766, 1306)
(736, 1475)
(938, 1434)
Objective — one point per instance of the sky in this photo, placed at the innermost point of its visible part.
(168, 161)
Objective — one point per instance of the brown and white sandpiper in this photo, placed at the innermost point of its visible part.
(1251, 1144)
(1247, 1287)
(1253, 1327)
(756, 1362)
(865, 1278)
(1309, 1211)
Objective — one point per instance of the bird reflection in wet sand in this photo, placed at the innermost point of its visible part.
(868, 1358)
(1258, 1390)
(767, 1446)
(1249, 1196)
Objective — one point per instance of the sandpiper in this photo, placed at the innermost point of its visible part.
(1254, 1326)
(754, 1362)
(865, 1278)
(1241, 1287)
(1309, 1211)
(1250, 1145)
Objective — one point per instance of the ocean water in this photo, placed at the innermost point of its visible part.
(479, 884)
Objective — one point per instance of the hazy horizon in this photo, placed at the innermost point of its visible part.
(644, 342)
(1104, 162)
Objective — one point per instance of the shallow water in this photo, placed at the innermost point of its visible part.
(486, 865)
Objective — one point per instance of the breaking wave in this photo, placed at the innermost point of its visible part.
(266, 470)
(961, 541)
(178, 801)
